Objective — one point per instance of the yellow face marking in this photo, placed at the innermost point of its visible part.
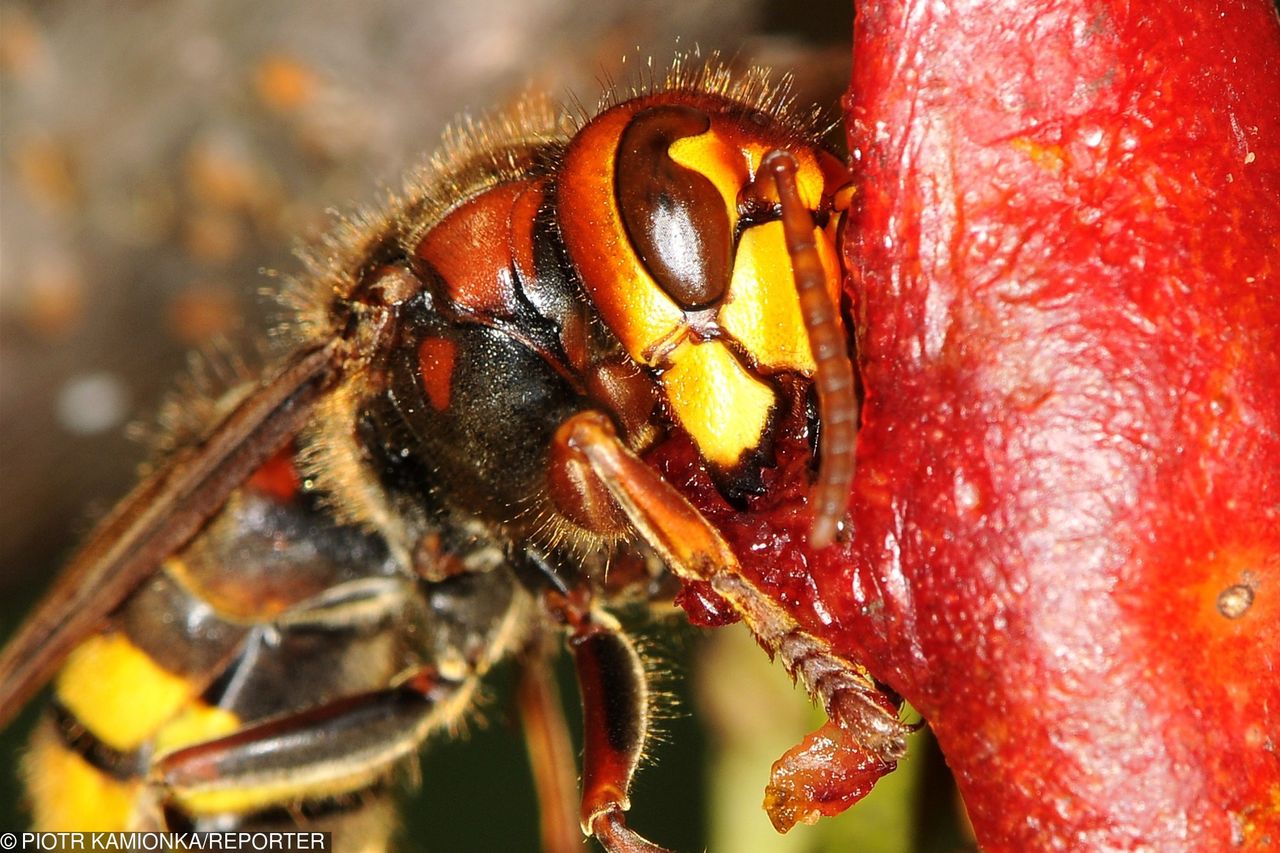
(69, 794)
(810, 182)
(830, 257)
(196, 723)
(718, 161)
(649, 318)
(809, 178)
(119, 693)
(762, 310)
(717, 400)
(843, 197)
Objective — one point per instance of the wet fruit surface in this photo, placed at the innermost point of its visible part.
(1069, 297)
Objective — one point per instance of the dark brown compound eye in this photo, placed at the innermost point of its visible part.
(675, 217)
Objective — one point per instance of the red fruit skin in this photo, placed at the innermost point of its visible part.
(1066, 288)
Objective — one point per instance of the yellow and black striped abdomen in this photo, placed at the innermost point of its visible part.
(274, 616)
(123, 696)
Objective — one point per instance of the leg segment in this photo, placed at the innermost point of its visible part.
(615, 705)
(550, 754)
(835, 766)
(329, 751)
(691, 547)
(864, 739)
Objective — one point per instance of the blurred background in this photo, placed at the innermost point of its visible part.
(159, 160)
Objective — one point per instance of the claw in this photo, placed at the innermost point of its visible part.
(611, 830)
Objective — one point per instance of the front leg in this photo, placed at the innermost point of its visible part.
(834, 766)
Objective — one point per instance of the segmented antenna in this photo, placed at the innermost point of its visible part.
(837, 401)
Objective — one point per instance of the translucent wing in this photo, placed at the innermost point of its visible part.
(158, 518)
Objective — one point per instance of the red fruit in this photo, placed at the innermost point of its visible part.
(1067, 512)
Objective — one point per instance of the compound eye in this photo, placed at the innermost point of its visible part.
(674, 216)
